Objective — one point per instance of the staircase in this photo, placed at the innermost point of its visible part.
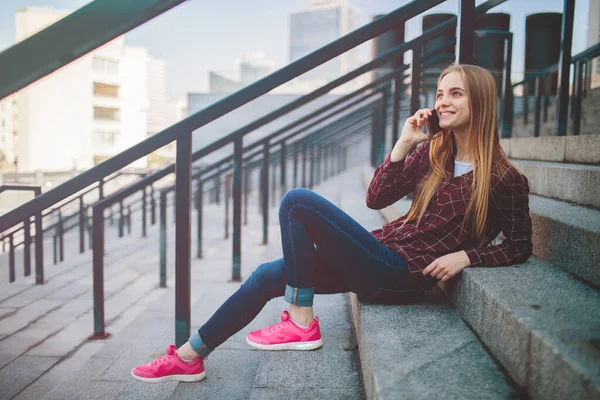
(538, 321)
(524, 331)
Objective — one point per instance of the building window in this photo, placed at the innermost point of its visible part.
(104, 139)
(105, 66)
(106, 114)
(103, 90)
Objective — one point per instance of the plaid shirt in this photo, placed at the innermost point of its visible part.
(440, 231)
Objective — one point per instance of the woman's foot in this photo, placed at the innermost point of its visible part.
(170, 368)
(286, 335)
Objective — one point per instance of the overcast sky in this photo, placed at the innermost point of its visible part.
(199, 36)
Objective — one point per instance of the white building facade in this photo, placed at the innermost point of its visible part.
(7, 135)
(89, 110)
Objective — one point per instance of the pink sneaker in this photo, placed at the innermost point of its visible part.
(170, 368)
(285, 335)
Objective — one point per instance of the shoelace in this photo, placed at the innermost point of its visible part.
(276, 327)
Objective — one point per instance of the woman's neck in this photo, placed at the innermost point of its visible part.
(462, 150)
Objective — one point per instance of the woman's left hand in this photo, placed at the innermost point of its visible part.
(447, 266)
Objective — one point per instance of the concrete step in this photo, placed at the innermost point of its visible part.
(424, 350)
(581, 149)
(406, 350)
(568, 182)
(539, 322)
(567, 235)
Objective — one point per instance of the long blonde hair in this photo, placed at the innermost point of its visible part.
(483, 147)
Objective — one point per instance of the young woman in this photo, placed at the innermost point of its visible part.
(466, 193)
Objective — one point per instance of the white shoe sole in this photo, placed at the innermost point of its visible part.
(181, 378)
(315, 344)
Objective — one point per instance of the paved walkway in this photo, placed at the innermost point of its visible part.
(43, 329)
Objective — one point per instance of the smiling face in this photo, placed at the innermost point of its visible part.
(452, 103)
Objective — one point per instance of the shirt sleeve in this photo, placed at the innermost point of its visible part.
(512, 217)
(394, 180)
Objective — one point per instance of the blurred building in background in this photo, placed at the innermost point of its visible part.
(90, 110)
(255, 66)
(322, 22)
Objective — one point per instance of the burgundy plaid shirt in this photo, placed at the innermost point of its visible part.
(440, 231)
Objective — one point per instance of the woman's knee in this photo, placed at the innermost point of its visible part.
(295, 196)
(267, 280)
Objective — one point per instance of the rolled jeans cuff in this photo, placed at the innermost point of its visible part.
(198, 345)
(299, 296)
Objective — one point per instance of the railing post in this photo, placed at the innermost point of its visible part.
(564, 68)
(538, 109)
(295, 165)
(578, 95)
(27, 247)
(311, 180)
(325, 162)
(199, 203)
(319, 146)
(81, 225)
(247, 173)
(144, 222)
(98, 271)
(162, 273)
(218, 188)
(396, 107)
(304, 160)
(129, 219)
(383, 126)
(374, 130)
(101, 189)
(526, 103)
(55, 247)
(227, 196)
(237, 209)
(61, 242)
(384, 123)
(507, 92)
(183, 172)
(274, 184)
(265, 192)
(11, 259)
(282, 176)
(415, 79)
(121, 219)
(152, 206)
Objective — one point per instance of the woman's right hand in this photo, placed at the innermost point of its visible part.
(412, 133)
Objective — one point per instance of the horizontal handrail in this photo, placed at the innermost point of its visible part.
(585, 55)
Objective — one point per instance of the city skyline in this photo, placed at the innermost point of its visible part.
(184, 37)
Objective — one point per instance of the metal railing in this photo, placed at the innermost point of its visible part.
(542, 81)
(305, 142)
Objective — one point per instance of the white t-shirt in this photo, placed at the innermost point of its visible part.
(461, 168)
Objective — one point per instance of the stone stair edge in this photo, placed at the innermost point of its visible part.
(384, 379)
(537, 337)
(547, 359)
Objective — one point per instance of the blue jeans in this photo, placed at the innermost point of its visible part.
(325, 251)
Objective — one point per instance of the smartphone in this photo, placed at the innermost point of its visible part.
(433, 123)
